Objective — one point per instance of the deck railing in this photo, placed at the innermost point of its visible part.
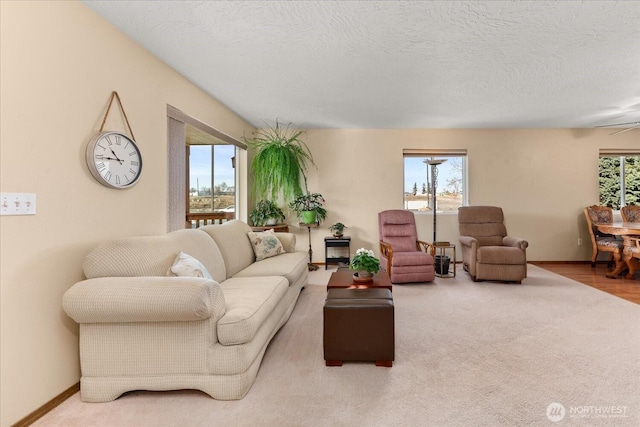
(196, 220)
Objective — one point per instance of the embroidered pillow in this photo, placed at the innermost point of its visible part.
(186, 265)
(265, 244)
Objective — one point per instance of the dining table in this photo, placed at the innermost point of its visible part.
(626, 230)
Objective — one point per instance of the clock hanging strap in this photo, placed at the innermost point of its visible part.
(115, 95)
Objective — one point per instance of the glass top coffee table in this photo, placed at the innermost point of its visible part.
(343, 278)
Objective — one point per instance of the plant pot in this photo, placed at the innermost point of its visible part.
(362, 276)
(337, 235)
(271, 221)
(308, 217)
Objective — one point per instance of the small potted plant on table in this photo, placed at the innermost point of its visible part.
(366, 265)
(337, 229)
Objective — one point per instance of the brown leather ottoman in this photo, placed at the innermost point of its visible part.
(359, 326)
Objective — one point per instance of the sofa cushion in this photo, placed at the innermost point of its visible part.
(288, 241)
(411, 258)
(482, 221)
(187, 266)
(490, 240)
(500, 255)
(265, 244)
(398, 228)
(290, 265)
(231, 238)
(153, 255)
(249, 301)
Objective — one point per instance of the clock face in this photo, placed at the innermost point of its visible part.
(114, 160)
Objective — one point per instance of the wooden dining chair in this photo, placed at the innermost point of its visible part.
(634, 251)
(600, 241)
(630, 213)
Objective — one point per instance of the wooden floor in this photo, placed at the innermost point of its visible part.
(594, 277)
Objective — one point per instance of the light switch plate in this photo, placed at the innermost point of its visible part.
(17, 204)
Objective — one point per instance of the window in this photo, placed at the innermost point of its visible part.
(619, 175)
(450, 180)
(211, 178)
(212, 167)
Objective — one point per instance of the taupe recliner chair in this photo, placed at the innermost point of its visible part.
(487, 252)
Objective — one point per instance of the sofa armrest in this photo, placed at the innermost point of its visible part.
(387, 251)
(468, 241)
(426, 247)
(144, 299)
(288, 241)
(515, 242)
(469, 246)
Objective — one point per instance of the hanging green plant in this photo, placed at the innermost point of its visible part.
(279, 165)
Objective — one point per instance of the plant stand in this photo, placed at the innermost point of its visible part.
(312, 267)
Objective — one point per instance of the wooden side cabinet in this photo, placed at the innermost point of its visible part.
(338, 244)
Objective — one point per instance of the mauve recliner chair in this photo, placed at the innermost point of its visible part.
(405, 258)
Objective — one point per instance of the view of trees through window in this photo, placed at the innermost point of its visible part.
(619, 181)
(450, 183)
(211, 178)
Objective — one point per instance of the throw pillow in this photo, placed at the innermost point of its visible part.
(186, 265)
(265, 244)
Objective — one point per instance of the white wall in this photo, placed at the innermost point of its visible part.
(60, 62)
(542, 178)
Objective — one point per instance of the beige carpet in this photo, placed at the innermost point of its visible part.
(467, 354)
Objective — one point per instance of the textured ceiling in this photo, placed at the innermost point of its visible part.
(401, 64)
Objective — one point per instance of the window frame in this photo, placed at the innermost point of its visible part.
(437, 153)
(177, 167)
(212, 182)
(622, 154)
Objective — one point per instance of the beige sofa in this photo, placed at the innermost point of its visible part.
(143, 330)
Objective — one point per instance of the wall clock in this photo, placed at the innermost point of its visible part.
(114, 160)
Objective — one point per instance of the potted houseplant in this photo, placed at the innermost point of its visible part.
(337, 229)
(365, 264)
(309, 207)
(280, 162)
(266, 212)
